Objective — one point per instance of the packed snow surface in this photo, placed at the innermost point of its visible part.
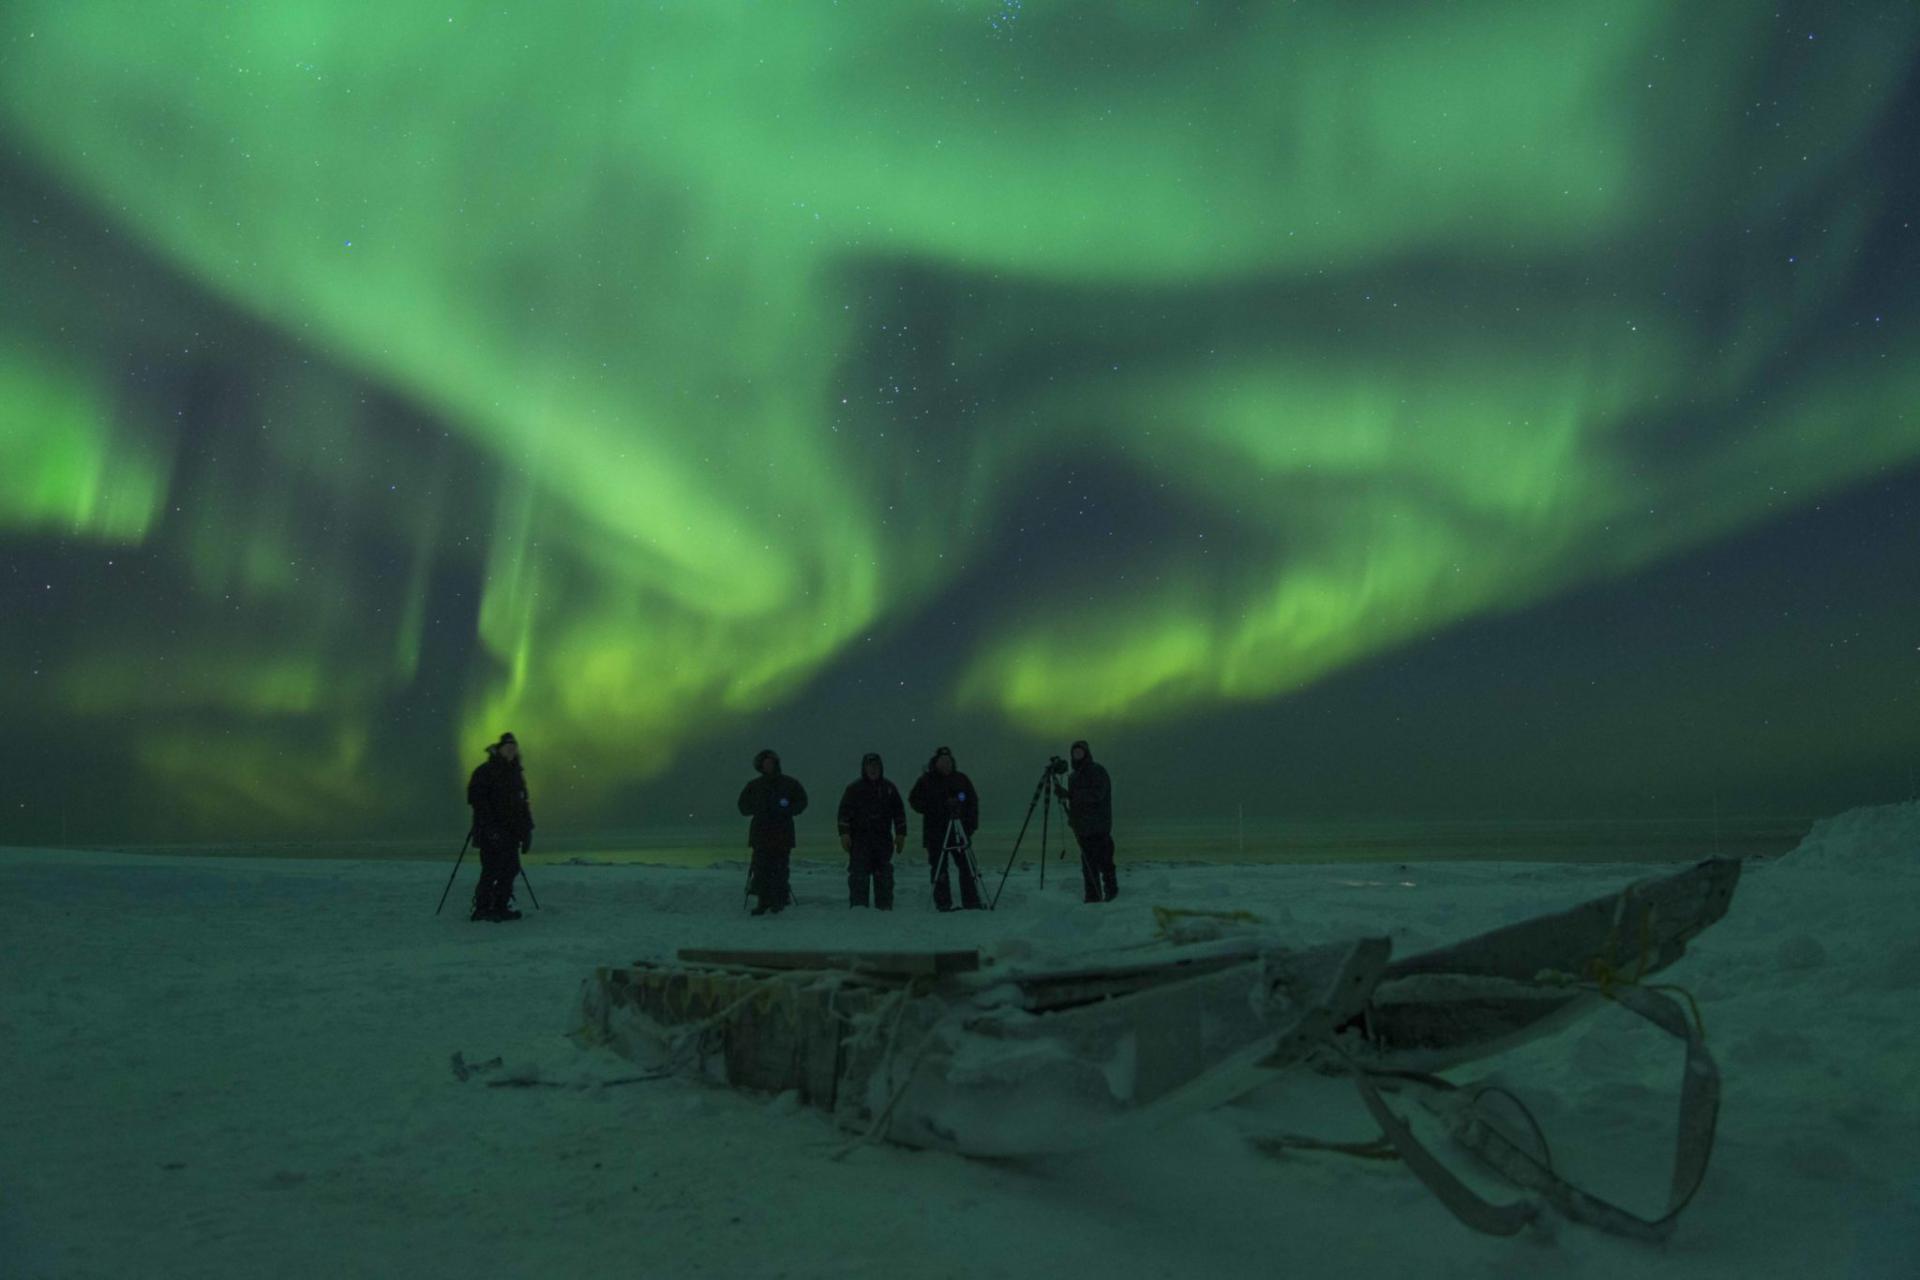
(243, 1067)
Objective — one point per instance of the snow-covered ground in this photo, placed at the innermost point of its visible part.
(240, 1067)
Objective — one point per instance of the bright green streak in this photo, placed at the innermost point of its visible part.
(628, 253)
(67, 469)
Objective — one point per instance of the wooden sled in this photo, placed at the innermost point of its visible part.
(938, 1050)
(930, 1050)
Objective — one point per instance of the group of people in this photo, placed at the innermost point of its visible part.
(872, 826)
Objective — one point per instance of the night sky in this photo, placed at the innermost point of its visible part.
(1334, 411)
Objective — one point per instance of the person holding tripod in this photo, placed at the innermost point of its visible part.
(949, 806)
(873, 827)
(1089, 798)
(502, 828)
(773, 800)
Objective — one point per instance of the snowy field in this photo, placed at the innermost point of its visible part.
(235, 1067)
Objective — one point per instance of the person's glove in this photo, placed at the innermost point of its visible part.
(526, 844)
(899, 841)
(846, 843)
(1059, 791)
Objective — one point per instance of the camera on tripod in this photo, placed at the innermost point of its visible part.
(1044, 792)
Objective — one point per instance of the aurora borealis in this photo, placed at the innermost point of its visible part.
(1206, 379)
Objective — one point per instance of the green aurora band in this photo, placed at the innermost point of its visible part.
(1439, 310)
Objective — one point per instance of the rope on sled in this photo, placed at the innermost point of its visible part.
(883, 1117)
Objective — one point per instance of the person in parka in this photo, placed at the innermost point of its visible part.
(941, 795)
(502, 827)
(1089, 797)
(873, 827)
(773, 800)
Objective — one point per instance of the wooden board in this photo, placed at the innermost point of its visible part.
(1481, 997)
(902, 964)
(1656, 918)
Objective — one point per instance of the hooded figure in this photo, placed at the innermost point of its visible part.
(1089, 797)
(502, 827)
(773, 801)
(941, 796)
(873, 827)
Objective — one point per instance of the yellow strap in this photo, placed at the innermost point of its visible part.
(1605, 976)
(1164, 916)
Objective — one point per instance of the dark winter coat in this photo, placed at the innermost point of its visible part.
(871, 812)
(773, 801)
(941, 797)
(1090, 797)
(498, 793)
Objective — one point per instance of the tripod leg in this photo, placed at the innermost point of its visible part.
(973, 886)
(978, 881)
(1022, 836)
(953, 849)
(1045, 813)
(456, 870)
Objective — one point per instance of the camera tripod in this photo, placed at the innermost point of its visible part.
(1042, 796)
(464, 846)
(958, 849)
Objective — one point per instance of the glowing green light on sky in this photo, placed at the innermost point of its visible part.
(68, 468)
(1436, 310)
